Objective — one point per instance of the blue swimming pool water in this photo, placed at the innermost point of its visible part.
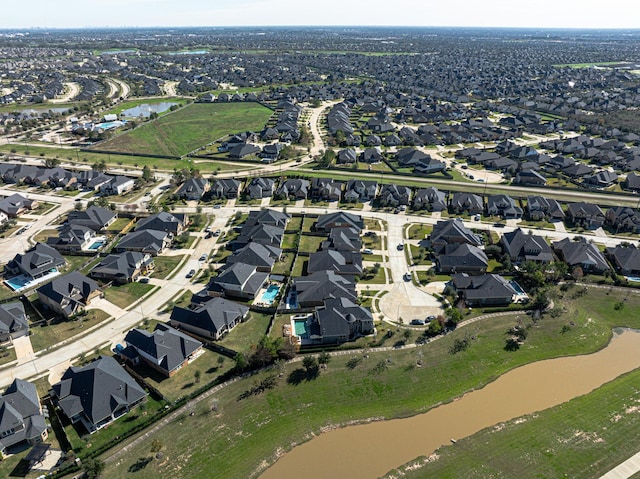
(517, 287)
(96, 245)
(17, 283)
(300, 328)
(270, 294)
(109, 125)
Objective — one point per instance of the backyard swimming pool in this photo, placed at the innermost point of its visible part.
(517, 287)
(96, 245)
(300, 328)
(270, 294)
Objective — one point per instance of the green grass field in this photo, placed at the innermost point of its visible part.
(124, 295)
(243, 433)
(189, 128)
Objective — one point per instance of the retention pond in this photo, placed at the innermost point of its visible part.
(371, 450)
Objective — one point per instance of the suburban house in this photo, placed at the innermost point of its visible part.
(211, 319)
(338, 321)
(225, 188)
(149, 241)
(326, 189)
(166, 350)
(394, 195)
(461, 258)
(238, 280)
(585, 215)
(293, 189)
(503, 206)
(451, 232)
(262, 256)
(13, 322)
(360, 190)
(339, 219)
(342, 262)
(312, 290)
(94, 217)
(483, 290)
(431, 199)
(529, 177)
(632, 182)
(259, 188)
(521, 246)
(267, 216)
(581, 254)
(163, 221)
(69, 294)
(466, 203)
(625, 259)
(117, 185)
(260, 233)
(16, 205)
(541, 208)
(39, 261)
(243, 150)
(97, 394)
(21, 416)
(428, 166)
(123, 267)
(72, 238)
(193, 189)
(346, 156)
(623, 218)
(343, 239)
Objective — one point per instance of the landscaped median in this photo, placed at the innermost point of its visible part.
(259, 427)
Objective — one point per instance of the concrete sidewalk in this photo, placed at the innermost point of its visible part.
(625, 469)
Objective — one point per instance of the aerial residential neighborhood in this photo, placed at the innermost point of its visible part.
(221, 243)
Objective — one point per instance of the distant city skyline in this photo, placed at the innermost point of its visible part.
(623, 14)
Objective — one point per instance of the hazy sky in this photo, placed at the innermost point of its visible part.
(487, 13)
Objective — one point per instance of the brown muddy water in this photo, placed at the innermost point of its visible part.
(371, 450)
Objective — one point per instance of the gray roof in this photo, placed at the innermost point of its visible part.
(462, 257)
(526, 247)
(95, 217)
(98, 389)
(74, 286)
(12, 205)
(242, 275)
(213, 315)
(486, 286)
(338, 318)
(12, 318)
(170, 348)
(267, 217)
(162, 221)
(120, 266)
(37, 260)
(150, 241)
(626, 259)
(260, 233)
(20, 411)
(339, 219)
(453, 231)
(256, 254)
(193, 187)
(342, 262)
(581, 253)
(466, 201)
(322, 285)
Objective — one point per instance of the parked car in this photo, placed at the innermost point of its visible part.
(476, 217)
(143, 279)
(499, 225)
(367, 251)
(204, 257)
(407, 276)
(431, 318)
(417, 322)
(400, 246)
(216, 233)
(191, 273)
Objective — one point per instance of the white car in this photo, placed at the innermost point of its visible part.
(367, 251)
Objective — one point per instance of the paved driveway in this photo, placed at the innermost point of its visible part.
(23, 348)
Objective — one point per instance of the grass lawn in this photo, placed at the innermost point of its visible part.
(379, 278)
(188, 128)
(124, 295)
(419, 255)
(164, 265)
(300, 266)
(42, 235)
(307, 225)
(248, 333)
(289, 240)
(75, 263)
(284, 265)
(119, 224)
(259, 425)
(7, 356)
(376, 258)
(372, 224)
(310, 244)
(419, 231)
(294, 224)
(43, 337)
(372, 242)
(209, 363)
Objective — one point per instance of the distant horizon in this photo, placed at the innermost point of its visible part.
(127, 14)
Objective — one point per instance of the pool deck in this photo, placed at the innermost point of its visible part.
(32, 283)
(261, 293)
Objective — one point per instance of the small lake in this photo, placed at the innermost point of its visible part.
(371, 450)
(116, 52)
(145, 109)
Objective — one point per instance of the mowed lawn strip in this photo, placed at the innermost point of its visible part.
(124, 295)
(188, 128)
(243, 433)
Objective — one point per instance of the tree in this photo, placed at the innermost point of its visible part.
(51, 163)
(92, 468)
(310, 363)
(197, 375)
(147, 174)
(156, 445)
(241, 362)
(324, 358)
(100, 166)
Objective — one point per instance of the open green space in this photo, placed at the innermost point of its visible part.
(43, 336)
(247, 333)
(209, 364)
(124, 295)
(310, 244)
(189, 128)
(164, 265)
(355, 388)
